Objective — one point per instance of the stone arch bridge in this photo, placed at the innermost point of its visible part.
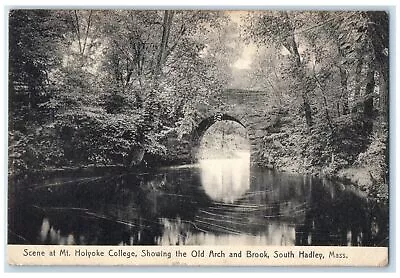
(251, 109)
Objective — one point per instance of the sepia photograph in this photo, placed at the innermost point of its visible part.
(198, 128)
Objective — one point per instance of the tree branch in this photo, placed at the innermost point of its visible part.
(180, 34)
(78, 31)
(87, 32)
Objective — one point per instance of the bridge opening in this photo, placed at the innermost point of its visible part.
(224, 159)
(225, 139)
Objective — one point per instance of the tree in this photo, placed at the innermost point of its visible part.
(34, 40)
(330, 58)
(278, 28)
(112, 84)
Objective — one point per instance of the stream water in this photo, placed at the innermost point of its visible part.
(215, 202)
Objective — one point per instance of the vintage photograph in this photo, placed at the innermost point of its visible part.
(198, 127)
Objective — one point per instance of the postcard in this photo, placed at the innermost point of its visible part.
(198, 137)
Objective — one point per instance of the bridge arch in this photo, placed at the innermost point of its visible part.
(205, 124)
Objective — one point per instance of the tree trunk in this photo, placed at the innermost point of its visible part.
(344, 98)
(369, 101)
(167, 22)
(357, 87)
(383, 98)
(378, 30)
(291, 45)
(307, 111)
(326, 110)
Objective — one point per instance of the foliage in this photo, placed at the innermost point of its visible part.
(375, 158)
(108, 86)
(105, 86)
(328, 71)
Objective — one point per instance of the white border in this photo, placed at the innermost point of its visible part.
(211, 4)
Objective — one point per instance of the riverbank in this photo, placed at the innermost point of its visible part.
(360, 177)
(29, 178)
(364, 180)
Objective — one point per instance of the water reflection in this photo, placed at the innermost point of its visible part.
(49, 234)
(214, 204)
(275, 234)
(226, 180)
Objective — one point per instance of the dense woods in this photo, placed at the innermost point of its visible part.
(331, 72)
(103, 87)
(89, 87)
